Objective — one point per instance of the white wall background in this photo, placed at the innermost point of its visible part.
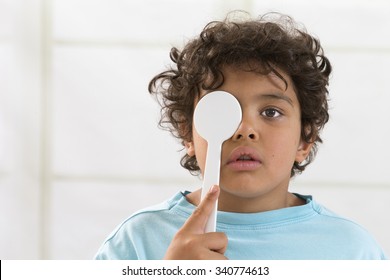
(79, 145)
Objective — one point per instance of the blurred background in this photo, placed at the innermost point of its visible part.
(79, 145)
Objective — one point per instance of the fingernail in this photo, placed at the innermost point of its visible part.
(213, 189)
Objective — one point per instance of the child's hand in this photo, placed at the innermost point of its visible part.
(191, 242)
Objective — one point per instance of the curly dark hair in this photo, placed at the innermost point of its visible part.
(271, 42)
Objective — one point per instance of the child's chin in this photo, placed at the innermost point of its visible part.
(244, 191)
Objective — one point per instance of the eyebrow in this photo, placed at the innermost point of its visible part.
(276, 96)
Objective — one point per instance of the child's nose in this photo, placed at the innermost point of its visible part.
(245, 131)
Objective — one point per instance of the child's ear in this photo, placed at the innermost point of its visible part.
(303, 151)
(190, 148)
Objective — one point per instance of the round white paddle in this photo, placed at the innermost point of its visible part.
(216, 118)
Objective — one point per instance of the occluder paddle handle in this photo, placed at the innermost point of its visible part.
(210, 178)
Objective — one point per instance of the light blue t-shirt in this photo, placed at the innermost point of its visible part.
(304, 232)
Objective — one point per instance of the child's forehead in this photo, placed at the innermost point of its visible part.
(232, 74)
(263, 87)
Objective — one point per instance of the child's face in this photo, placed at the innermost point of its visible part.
(257, 160)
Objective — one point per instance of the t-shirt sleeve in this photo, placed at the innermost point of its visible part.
(118, 246)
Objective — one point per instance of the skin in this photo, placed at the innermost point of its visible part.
(270, 134)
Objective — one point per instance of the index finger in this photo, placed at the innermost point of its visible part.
(197, 221)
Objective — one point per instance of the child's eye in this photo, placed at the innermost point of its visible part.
(271, 113)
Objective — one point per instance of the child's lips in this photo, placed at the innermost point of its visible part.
(244, 158)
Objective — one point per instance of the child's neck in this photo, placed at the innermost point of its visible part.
(230, 203)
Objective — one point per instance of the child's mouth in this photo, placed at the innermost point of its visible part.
(244, 159)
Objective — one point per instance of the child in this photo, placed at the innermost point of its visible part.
(279, 75)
